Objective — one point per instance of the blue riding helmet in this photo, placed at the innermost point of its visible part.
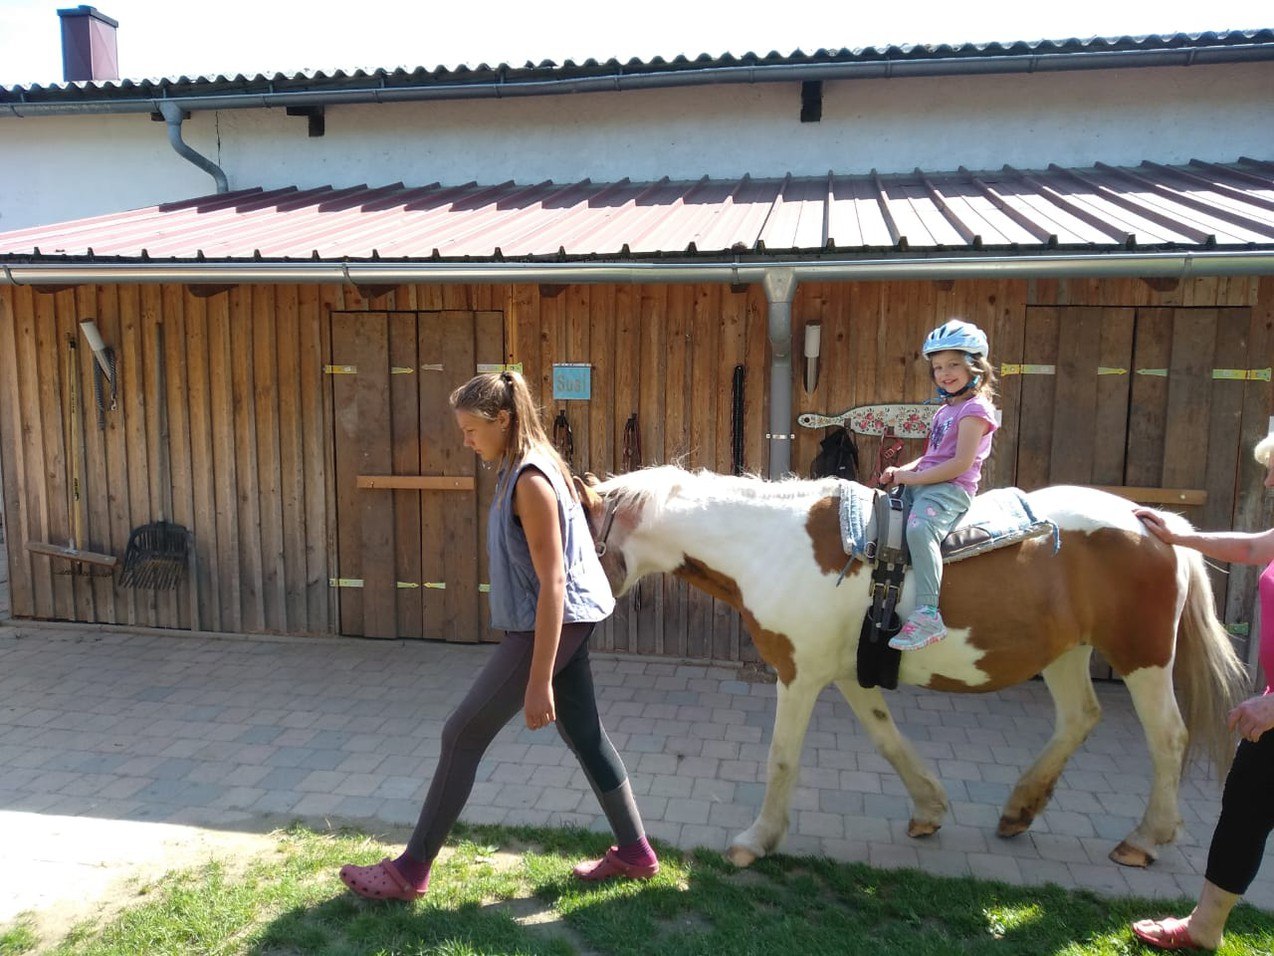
(956, 335)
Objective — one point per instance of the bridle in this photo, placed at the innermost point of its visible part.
(607, 521)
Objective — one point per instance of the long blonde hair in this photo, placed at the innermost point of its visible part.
(488, 394)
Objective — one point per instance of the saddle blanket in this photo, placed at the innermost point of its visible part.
(995, 519)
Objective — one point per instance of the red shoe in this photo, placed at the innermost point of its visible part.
(381, 881)
(1167, 934)
(611, 866)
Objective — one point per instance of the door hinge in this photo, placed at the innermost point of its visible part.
(487, 367)
(340, 369)
(1009, 368)
(1242, 374)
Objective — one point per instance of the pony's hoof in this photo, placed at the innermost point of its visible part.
(1014, 826)
(922, 828)
(1128, 855)
(740, 856)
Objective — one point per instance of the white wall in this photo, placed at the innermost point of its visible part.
(62, 168)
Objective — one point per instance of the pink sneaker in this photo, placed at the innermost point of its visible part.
(923, 628)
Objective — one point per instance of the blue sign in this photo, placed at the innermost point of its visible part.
(573, 382)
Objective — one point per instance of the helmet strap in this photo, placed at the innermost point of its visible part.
(969, 386)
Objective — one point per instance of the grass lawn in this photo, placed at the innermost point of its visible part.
(509, 890)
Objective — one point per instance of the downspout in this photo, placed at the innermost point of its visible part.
(173, 117)
(780, 289)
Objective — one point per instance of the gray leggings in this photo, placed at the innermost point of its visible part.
(495, 698)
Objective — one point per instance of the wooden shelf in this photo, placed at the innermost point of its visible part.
(1157, 496)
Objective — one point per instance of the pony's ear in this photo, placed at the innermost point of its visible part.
(584, 488)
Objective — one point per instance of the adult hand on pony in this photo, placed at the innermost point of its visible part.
(1253, 717)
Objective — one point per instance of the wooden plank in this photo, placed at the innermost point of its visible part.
(79, 365)
(404, 500)
(1008, 341)
(489, 331)
(329, 299)
(225, 462)
(1148, 406)
(137, 407)
(626, 363)
(1185, 451)
(373, 512)
(1111, 423)
(604, 429)
(577, 350)
(51, 358)
(293, 466)
(116, 442)
(314, 436)
(261, 369)
(13, 457)
(460, 519)
(1186, 497)
(417, 482)
(1035, 426)
(1074, 409)
(202, 457)
(180, 476)
(73, 555)
(248, 466)
(436, 427)
(733, 351)
(648, 595)
(676, 446)
(1253, 504)
(703, 358)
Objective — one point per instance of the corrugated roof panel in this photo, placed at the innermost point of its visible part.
(1194, 205)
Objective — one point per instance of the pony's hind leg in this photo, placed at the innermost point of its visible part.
(1156, 704)
(1076, 713)
(928, 798)
(791, 719)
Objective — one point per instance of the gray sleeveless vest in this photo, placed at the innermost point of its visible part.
(514, 587)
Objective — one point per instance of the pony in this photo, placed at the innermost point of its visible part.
(772, 550)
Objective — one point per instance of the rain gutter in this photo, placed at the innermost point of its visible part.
(646, 79)
(1181, 265)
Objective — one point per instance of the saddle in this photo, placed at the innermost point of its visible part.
(873, 527)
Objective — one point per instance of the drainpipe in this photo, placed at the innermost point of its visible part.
(780, 289)
(173, 117)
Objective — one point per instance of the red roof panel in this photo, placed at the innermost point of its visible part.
(1200, 204)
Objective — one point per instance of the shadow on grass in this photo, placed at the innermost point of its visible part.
(510, 891)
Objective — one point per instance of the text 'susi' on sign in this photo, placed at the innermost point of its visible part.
(572, 381)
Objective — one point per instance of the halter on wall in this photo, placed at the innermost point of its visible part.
(600, 545)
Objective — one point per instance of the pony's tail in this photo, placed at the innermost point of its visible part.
(1210, 679)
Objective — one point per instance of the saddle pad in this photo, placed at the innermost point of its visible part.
(995, 519)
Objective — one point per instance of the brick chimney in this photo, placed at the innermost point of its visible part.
(88, 45)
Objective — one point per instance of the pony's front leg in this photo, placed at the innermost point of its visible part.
(791, 720)
(928, 798)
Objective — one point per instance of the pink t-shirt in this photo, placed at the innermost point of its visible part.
(1266, 590)
(944, 432)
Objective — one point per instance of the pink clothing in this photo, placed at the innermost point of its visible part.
(1266, 590)
(944, 432)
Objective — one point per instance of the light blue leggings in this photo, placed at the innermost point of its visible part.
(935, 510)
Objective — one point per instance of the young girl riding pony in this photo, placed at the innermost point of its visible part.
(941, 483)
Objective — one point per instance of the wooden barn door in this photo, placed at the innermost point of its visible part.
(1145, 401)
(410, 529)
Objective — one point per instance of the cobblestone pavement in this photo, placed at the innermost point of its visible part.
(118, 728)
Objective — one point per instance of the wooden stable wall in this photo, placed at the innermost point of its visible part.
(252, 429)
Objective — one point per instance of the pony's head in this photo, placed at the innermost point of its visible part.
(618, 510)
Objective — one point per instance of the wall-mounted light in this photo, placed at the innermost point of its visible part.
(813, 343)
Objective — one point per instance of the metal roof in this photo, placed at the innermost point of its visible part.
(892, 60)
(1198, 206)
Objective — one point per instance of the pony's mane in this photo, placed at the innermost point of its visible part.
(650, 489)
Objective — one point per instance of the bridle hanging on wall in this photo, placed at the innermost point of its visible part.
(632, 444)
(564, 438)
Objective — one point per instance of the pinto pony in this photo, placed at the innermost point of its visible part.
(773, 551)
